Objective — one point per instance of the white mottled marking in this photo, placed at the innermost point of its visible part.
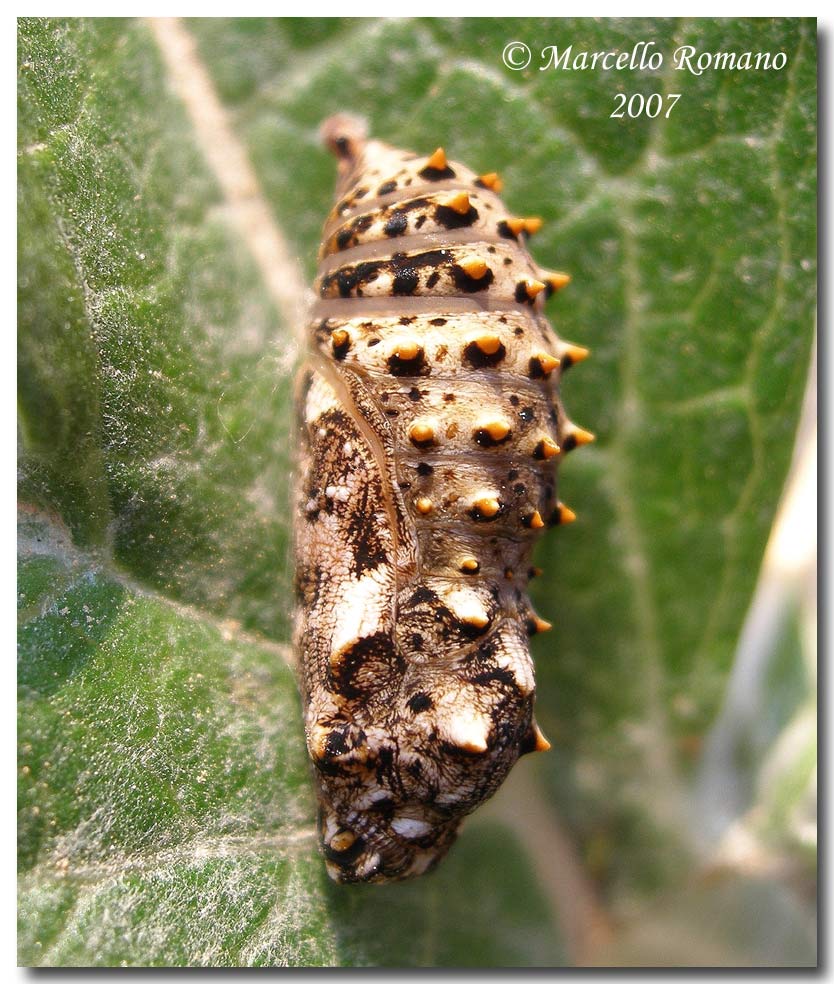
(363, 606)
(467, 607)
(518, 662)
(408, 827)
(372, 862)
(341, 493)
(468, 729)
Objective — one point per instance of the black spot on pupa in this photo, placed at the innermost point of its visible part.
(340, 351)
(417, 366)
(424, 469)
(535, 369)
(345, 281)
(344, 739)
(383, 807)
(472, 631)
(528, 743)
(437, 173)
(432, 281)
(530, 625)
(437, 322)
(485, 440)
(451, 219)
(521, 294)
(387, 188)
(422, 595)
(470, 285)
(396, 225)
(405, 281)
(480, 360)
(368, 549)
(420, 702)
(359, 663)
(498, 674)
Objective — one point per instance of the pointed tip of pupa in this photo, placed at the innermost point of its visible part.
(344, 135)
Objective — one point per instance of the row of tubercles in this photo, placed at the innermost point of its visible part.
(487, 506)
(494, 432)
(541, 366)
(484, 349)
(459, 202)
(488, 349)
(514, 227)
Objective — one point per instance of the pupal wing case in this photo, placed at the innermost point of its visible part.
(430, 427)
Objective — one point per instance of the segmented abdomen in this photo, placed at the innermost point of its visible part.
(431, 426)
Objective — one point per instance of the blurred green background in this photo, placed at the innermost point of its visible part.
(165, 809)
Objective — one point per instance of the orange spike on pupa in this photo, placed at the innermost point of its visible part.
(437, 161)
(492, 181)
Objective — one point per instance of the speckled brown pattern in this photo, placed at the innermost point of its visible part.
(429, 435)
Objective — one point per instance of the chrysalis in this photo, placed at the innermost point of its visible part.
(430, 427)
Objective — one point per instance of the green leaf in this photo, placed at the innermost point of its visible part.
(166, 813)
